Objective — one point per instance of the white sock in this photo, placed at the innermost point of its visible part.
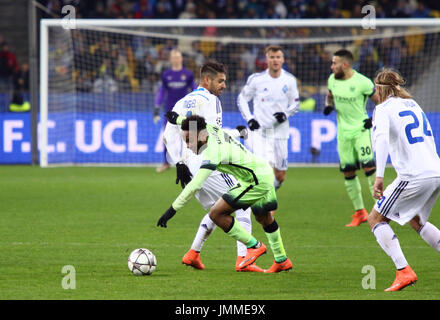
(390, 244)
(206, 227)
(431, 235)
(244, 219)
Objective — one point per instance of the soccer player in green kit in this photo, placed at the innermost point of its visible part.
(348, 94)
(254, 188)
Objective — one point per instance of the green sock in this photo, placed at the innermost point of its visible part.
(354, 191)
(276, 244)
(371, 180)
(240, 234)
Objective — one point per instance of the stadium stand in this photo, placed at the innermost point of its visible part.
(141, 57)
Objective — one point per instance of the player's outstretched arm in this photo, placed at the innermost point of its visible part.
(187, 193)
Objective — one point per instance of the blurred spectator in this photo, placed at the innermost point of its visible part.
(220, 53)
(270, 13)
(230, 11)
(105, 63)
(189, 12)
(179, 6)
(395, 53)
(143, 9)
(402, 10)
(164, 10)
(356, 13)
(8, 66)
(239, 81)
(247, 57)
(196, 54)
(122, 70)
(105, 84)
(421, 11)
(279, 7)
(21, 78)
(260, 61)
(210, 31)
(293, 13)
(142, 47)
(254, 9)
(369, 67)
(21, 87)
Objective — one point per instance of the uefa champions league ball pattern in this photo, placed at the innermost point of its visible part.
(142, 262)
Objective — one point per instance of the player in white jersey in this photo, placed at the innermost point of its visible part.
(204, 101)
(402, 130)
(275, 98)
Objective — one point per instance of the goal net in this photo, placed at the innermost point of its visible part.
(99, 79)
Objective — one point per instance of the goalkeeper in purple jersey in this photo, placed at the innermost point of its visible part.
(176, 83)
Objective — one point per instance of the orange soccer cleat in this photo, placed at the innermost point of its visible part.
(250, 268)
(359, 217)
(404, 278)
(252, 254)
(192, 258)
(286, 265)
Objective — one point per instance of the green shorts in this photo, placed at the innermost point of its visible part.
(261, 197)
(356, 152)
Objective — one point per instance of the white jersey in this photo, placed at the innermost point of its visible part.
(401, 129)
(199, 102)
(270, 95)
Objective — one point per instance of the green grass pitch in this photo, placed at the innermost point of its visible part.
(91, 218)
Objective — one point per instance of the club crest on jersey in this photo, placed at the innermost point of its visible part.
(352, 89)
(285, 88)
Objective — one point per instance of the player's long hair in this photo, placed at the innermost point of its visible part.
(391, 84)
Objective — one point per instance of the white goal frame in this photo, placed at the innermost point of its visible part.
(45, 24)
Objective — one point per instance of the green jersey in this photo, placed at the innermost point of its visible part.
(225, 154)
(350, 98)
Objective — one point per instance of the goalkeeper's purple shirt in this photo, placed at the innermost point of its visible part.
(174, 86)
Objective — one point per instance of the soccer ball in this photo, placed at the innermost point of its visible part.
(142, 262)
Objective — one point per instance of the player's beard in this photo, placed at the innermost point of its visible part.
(217, 92)
(339, 74)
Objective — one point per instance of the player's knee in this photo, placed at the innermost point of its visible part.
(375, 217)
(349, 177)
(264, 219)
(369, 171)
(415, 223)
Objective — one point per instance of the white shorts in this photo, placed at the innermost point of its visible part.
(272, 149)
(403, 200)
(214, 187)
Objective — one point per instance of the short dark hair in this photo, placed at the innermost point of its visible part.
(345, 54)
(200, 122)
(212, 68)
(272, 48)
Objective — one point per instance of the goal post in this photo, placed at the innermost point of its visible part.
(98, 78)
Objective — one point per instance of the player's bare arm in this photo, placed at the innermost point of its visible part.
(329, 103)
